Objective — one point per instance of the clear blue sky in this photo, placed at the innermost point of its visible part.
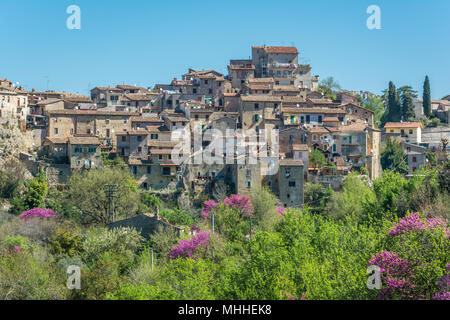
(145, 42)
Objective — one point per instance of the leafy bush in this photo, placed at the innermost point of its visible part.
(177, 217)
(65, 242)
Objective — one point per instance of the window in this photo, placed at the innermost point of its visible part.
(166, 171)
(149, 170)
(210, 91)
(107, 121)
(124, 138)
(350, 139)
(160, 157)
(196, 117)
(56, 130)
(206, 81)
(414, 159)
(139, 138)
(108, 133)
(125, 121)
(71, 131)
(292, 119)
(249, 184)
(256, 106)
(291, 139)
(194, 90)
(320, 119)
(291, 183)
(410, 132)
(256, 117)
(135, 170)
(287, 172)
(139, 149)
(308, 119)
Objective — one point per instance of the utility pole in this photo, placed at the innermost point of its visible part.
(110, 190)
(151, 257)
(212, 231)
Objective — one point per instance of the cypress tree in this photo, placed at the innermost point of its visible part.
(407, 98)
(393, 104)
(427, 97)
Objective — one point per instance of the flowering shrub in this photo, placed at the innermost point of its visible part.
(207, 207)
(38, 213)
(14, 250)
(396, 274)
(187, 248)
(413, 222)
(281, 211)
(242, 203)
(411, 267)
(444, 286)
(195, 228)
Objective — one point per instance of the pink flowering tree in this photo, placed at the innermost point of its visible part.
(188, 248)
(415, 263)
(242, 203)
(38, 213)
(231, 216)
(281, 211)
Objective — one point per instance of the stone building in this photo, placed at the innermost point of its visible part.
(104, 124)
(84, 152)
(13, 101)
(290, 183)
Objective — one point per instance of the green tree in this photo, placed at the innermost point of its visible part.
(394, 158)
(151, 201)
(317, 158)
(328, 88)
(34, 194)
(65, 242)
(350, 201)
(317, 197)
(264, 208)
(86, 191)
(407, 97)
(393, 105)
(177, 217)
(12, 175)
(330, 83)
(427, 97)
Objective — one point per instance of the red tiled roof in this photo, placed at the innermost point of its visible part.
(403, 125)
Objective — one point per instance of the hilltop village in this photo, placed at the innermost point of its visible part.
(270, 96)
